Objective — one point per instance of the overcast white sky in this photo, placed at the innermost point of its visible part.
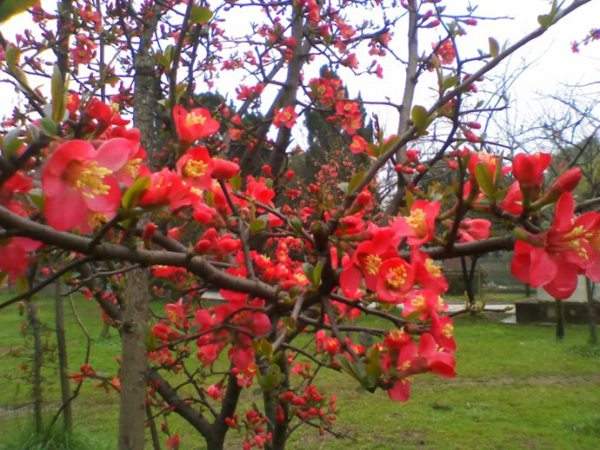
(554, 63)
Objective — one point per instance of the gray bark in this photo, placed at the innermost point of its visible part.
(134, 362)
(63, 367)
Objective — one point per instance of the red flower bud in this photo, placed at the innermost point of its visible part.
(567, 181)
(223, 169)
(471, 137)
(149, 230)
(529, 169)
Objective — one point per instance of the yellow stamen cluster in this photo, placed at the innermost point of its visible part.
(448, 330)
(418, 302)
(575, 239)
(97, 219)
(132, 168)
(194, 168)
(416, 220)
(300, 278)
(432, 268)
(396, 277)
(194, 118)
(90, 180)
(371, 264)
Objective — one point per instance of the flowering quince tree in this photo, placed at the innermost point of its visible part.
(263, 279)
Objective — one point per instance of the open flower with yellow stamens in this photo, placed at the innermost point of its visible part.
(428, 273)
(366, 261)
(195, 124)
(394, 280)
(419, 226)
(553, 259)
(79, 183)
(194, 167)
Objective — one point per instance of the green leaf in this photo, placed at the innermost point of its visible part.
(356, 180)
(200, 15)
(259, 224)
(37, 198)
(307, 268)
(151, 341)
(420, 118)
(449, 82)
(236, 182)
(485, 182)
(135, 191)
(387, 145)
(316, 274)
(296, 224)
(343, 186)
(263, 348)
(9, 8)
(373, 368)
(11, 142)
(12, 55)
(271, 379)
(494, 47)
(22, 285)
(58, 95)
(48, 126)
(546, 20)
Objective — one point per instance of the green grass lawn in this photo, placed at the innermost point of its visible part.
(489, 297)
(516, 389)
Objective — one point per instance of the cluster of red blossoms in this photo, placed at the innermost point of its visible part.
(383, 268)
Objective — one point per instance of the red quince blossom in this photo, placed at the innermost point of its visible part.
(15, 256)
(428, 274)
(413, 359)
(489, 161)
(366, 261)
(194, 167)
(195, 124)
(513, 200)
(528, 170)
(173, 442)
(567, 181)
(554, 258)
(104, 114)
(11, 189)
(285, 117)
(84, 50)
(358, 144)
(223, 169)
(474, 230)
(167, 188)
(423, 304)
(419, 226)
(349, 115)
(79, 183)
(394, 279)
(445, 51)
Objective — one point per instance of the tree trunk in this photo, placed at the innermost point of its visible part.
(589, 287)
(134, 363)
(410, 84)
(36, 370)
(560, 320)
(63, 367)
(468, 283)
